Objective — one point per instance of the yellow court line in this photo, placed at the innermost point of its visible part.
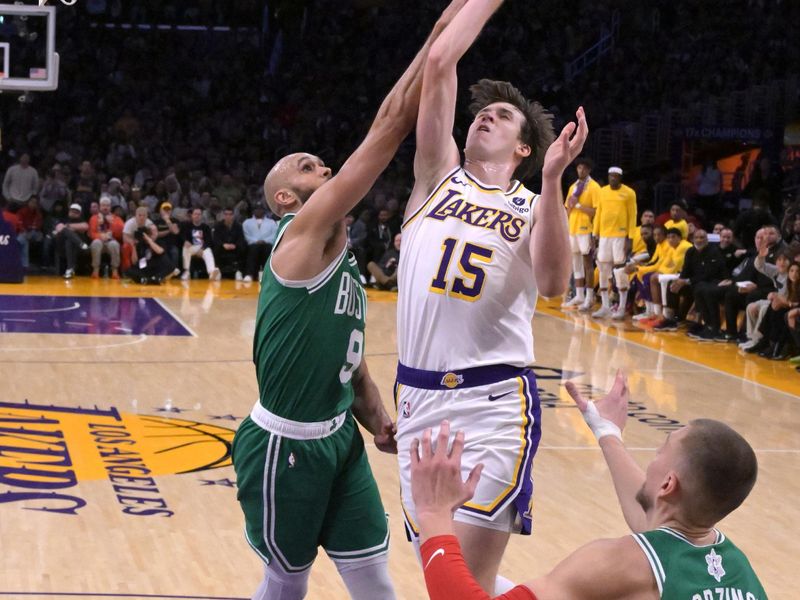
(726, 358)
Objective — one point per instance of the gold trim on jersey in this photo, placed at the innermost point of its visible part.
(518, 471)
(430, 197)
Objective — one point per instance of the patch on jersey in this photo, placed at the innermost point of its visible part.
(455, 206)
(452, 380)
(519, 205)
(714, 562)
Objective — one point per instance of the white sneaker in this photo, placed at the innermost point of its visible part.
(573, 303)
(238, 276)
(643, 316)
(247, 279)
(186, 275)
(618, 315)
(601, 313)
(216, 275)
(747, 344)
(586, 306)
(69, 273)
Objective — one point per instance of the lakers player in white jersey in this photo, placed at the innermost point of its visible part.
(477, 248)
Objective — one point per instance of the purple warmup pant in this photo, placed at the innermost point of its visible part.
(644, 292)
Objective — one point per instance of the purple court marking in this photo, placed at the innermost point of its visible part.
(87, 315)
(102, 595)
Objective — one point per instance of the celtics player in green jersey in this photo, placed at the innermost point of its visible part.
(701, 472)
(302, 472)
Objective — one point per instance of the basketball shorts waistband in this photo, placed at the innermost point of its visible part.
(295, 430)
(463, 378)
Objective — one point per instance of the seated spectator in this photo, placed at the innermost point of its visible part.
(678, 212)
(260, 233)
(703, 265)
(169, 233)
(54, 190)
(731, 251)
(116, 196)
(379, 236)
(773, 332)
(136, 222)
(30, 222)
(197, 239)
(150, 264)
(667, 271)
(357, 237)
(70, 236)
(230, 248)
(793, 323)
(385, 270)
(105, 231)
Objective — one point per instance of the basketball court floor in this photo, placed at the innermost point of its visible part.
(118, 404)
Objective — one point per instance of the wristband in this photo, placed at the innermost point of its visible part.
(600, 426)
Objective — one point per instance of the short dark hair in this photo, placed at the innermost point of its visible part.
(585, 161)
(721, 469)
(537, 129)
(676, 231)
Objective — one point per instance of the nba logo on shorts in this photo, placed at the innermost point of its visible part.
(405, 409)
(292, 460)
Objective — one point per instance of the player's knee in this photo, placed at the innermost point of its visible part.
(367, 579)
(577, 266)
(281, 585)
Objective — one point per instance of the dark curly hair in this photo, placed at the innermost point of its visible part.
(537, 130)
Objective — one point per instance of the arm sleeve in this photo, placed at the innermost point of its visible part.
(448, 578)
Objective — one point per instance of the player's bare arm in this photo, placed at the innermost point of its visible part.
(437, 152)
(603, 417)
(318, 235)
(550, 253)
(369, 411)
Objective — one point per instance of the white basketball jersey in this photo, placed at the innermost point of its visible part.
(467, 291)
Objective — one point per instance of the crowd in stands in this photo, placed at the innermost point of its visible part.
(149, 158)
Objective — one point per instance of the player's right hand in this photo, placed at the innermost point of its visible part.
(613, 406)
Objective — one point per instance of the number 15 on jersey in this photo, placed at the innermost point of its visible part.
(468, 283)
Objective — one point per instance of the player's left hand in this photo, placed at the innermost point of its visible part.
(385, 439)
(613, 406)
(564, 150)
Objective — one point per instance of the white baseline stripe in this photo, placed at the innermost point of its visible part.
(176, 317)
(43, 310)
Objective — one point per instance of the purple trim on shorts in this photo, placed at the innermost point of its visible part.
(464, 378)
(522, 492)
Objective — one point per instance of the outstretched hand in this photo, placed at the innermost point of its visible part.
(564, 150)
(611, 407)
(436, 484)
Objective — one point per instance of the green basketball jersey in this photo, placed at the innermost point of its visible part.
(309, 340)
(684, 571)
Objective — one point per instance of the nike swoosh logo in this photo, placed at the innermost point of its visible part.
(493, 398)
(439, 552)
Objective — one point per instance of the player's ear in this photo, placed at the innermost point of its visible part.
(284, 197)
(523, 150)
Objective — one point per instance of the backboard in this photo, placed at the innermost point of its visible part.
(28, 60)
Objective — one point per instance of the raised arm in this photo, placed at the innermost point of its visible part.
(437, 152)
(549, 246)
(393, 122)
(606, 418)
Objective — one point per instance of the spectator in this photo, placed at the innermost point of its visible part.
(703, 265)
(197, 240)
(230, 247)
(169, 231)
(709, 186)
(731, 251)
(379, 235)
(54, 189)
(105, 231)
(228, 192)
(357, 238)
(150, 263)
(677, 218)
(116, 196)
(70, 236)
(136, 222)
(260, 233)
(20, 183)
(774, 326)
(752, 220)
(30, 223)
(384, 272)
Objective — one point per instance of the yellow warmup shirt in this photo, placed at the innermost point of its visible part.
(673, 262)
(638, 247)
(616, 212)
(659, 256)
(579, 222)
(682, 225)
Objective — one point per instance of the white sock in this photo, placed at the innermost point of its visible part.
(623, 299)
(604, 296)
(590, 294)
(579, 293)
(657, 309)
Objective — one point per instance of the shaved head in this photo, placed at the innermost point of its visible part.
(284, 180)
